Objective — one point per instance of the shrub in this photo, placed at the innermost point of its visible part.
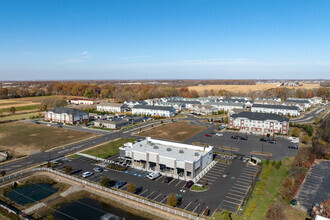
(276, 211)
(225, 215)
(273, 163)
(172, 200)
(295, 132)
(131, 187)
(105, 182)
(309, 129)
(267, 161)
(68, 169)
(116, 167)
(305, 139)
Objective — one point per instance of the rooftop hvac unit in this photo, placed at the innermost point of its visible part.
(169, 149)
(196, 154)
(181, 151)
(156, 147)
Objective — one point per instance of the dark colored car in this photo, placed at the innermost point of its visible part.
(168, 179)
(212, 133)
(137, 190)
(263, 139)
(189, 184)
(243, 138)
(120, 184)
(38, 123)
(272, 142)
(208, 135)
(293, 146)
(234, 137)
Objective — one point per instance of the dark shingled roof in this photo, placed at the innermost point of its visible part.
(164, 108)
(70, 111)
(288, 107)
(260, 116)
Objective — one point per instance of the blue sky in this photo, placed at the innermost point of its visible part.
(164, 39)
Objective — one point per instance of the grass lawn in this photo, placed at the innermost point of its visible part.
(21, 108)
(109, 149)
(198, 188)
(19, 138)
(177, 131)
(270, 193)
(19, 116)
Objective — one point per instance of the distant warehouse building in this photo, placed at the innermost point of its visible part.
(169, 158)
(78, 101)
(67, 115)
(111, 107)
(276, 109)
(149, 110)
(259, 122)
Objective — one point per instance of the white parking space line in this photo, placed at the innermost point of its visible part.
(211, 177)
(156, 197)
(233, 194)
(163, 200)
(213, 172)
(247, 183)
(158, 179)
(246, 175)
(144, 191)
(209, 180)
(196, 207)
(239, 188)
(203, 210)
(239, 200)
(150, 194)
(170, 182)
(242, 186)
(187, 205)
(237, 191)
(231, 202)
(178, 183)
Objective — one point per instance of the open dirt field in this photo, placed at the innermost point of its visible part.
(178, 131)
(247, 88)
(20, 139)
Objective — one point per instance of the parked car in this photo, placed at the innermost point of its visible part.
(263, 139)
(293, 146)
(87, 174)
(138, 189)
(49, 125)
(98, 169)
(234, 137)
(38, 123)
(272, 142)
(153, 175)
(219, 134)
(189, 184)
(295, 141)
(120, 184)
(243, 138)
(168, 179)
(208, 135)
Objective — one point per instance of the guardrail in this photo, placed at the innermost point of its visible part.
(131, 197)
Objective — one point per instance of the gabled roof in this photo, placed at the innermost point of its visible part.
(69, 111)
(260, 116)
(224, 103)
(288, 107)
(112, 104)
(153, 107)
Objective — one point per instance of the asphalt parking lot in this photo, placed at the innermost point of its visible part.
(158, 190)
(316, 186)
(278, 151)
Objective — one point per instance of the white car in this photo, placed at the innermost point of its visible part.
(87, 174)
(219, 134)
(153, 175)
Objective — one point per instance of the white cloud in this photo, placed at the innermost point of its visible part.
(27, 53)
(136, 57)
(79, 58)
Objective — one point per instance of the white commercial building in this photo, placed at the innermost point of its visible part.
(169, 158)
(78, 101)
(67, 115)
(149, 110)
(277, 109)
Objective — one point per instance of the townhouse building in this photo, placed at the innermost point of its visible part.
(203, 109)
(67, 115)
(111, 107)
(163, 111)
(277, 109)
(259, 122)
(79, 101)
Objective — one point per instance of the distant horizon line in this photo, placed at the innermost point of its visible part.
(51, 80)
